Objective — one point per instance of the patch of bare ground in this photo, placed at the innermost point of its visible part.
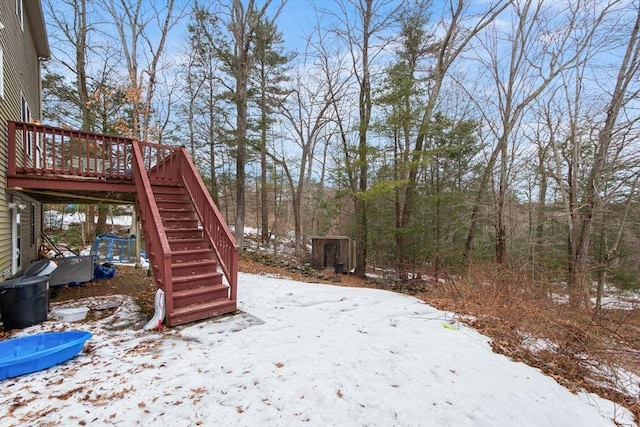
(289, 267)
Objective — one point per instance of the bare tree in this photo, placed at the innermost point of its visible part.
(71, 24)
(453, 42)
(306, 113)
(541, 134)
(142, 30)
(74, 31)
(608, 145)
(539, 49)
(361, 27)
(207, 110)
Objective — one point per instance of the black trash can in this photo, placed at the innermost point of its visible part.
(24, 301)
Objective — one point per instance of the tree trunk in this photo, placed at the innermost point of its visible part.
(501, 229)
(264, 195)
(101, 225)
(241, 129)
(91, 221)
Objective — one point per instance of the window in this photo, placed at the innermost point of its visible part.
(20, 13)
(25, 111)
(1, 72)
(25, 116)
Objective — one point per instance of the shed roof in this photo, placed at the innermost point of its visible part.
(331, 237)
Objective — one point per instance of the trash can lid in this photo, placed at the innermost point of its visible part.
(42, 267)
(23, 282)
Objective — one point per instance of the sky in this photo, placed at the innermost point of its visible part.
(296, 354)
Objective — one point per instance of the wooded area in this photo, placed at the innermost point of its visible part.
(434, 134)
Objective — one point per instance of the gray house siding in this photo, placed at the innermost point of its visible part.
(23, 45)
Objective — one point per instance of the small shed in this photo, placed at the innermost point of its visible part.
(328, 251)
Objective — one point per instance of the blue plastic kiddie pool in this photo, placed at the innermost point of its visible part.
(31, 353)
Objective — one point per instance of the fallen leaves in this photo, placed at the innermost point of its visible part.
(66, 395)
(18, 402)
(55, 382)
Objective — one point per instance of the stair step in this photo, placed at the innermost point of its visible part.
(174, 223)
(178, 212)
(196, 312)
(186, 255)
(185, 207)
(184, 233)
(190, 268)
(181, 197)
(197, 287)
(172, 204)
(199, 295)
(191, 281)
(168, 188)
(178, 244)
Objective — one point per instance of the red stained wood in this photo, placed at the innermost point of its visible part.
(186, 236)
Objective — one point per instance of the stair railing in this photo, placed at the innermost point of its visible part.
(158, 248)
(212, 221)
(174, 164)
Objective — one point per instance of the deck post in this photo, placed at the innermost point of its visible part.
(135, 228)
(12, 149)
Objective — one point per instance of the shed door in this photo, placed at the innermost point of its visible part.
(330, 254)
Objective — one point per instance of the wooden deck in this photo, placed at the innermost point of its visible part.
(57, 165)
(184, 233)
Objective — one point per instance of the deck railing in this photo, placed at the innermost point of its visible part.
(160, 162)
(39, 149)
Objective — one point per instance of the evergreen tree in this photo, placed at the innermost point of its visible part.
(268, 78)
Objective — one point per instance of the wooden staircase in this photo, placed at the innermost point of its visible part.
(198, 291)
(192, 253)
(190, 247)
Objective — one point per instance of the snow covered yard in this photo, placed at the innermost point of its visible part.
(298, 354)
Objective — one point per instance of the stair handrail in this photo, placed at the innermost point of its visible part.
(155, 236)
(213, 224)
